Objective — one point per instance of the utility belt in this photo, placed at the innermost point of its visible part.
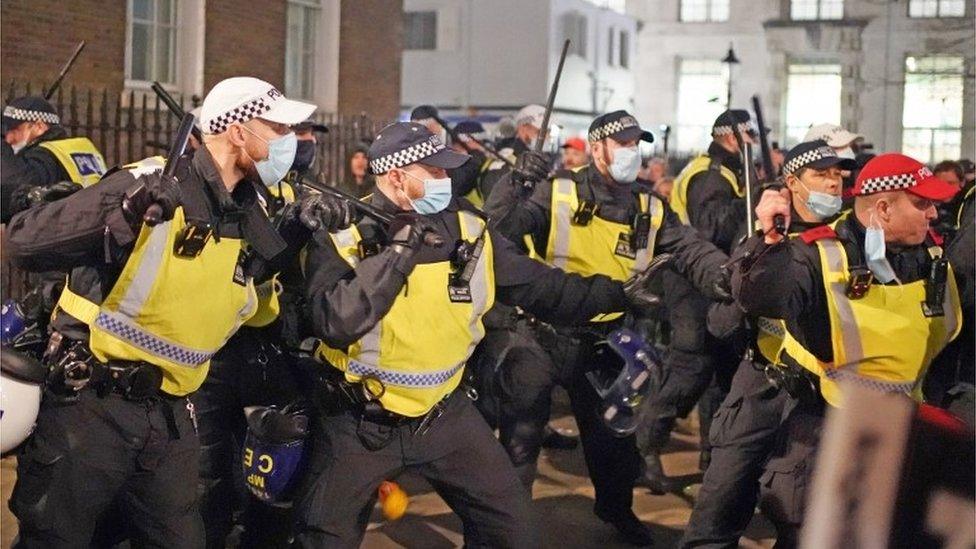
(339, 395)
(798, 382)
(72, 368)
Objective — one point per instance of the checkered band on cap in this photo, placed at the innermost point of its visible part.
(252, 109)
(406, 156)
(803, 159)
(31, 116)
(612, 127)
(887, 183)
(726, 130)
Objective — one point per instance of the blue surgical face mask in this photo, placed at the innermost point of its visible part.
(625, 165)
(874, 253)
(281, 155)
(823, 205)
(437, 195)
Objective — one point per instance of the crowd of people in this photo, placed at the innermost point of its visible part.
(216, 311)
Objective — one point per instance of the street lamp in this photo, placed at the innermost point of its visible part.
(730, 59)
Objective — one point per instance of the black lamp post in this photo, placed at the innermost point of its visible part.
(730, 59)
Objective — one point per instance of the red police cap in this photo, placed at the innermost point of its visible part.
(897, 172)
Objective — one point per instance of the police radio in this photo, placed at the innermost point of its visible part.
(935, 288)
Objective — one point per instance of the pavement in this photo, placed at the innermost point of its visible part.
(562, 498)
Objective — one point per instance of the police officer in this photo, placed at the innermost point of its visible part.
(465, 178)
(744, 428)
(838, 288)
(49, 158)
(709, 196)
(398, 317)
(162, 274)
(528, 126)
(600, 219)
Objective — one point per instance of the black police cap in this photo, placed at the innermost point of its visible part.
(403, 143)
(814, 154)
(29, 109)
(620, 125)
(733, 118)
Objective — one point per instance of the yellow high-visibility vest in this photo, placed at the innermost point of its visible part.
(883, 340)
(601, 246)
(418, 350)
(679, 193)
(79, 158)
(168, 310)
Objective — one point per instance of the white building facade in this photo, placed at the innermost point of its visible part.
(899, 72)
(489, 58)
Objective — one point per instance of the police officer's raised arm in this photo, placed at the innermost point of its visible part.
(694, 257)
(76, 230)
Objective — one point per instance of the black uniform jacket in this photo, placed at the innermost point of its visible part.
(88, 235)
(345, 303)
(713, 207)
(33, 165)
(694, 257)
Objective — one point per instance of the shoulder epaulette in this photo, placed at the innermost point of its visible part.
(810, 236)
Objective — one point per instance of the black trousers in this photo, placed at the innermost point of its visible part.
(742, 437)
(698, 368)
(458, 455)
(246, 372)
(536, 360)
(88, 454)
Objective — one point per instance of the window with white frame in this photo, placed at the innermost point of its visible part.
(420, 30)
(695, 11)
(624, 44)
(814, 10)
(573, 26)
(151, 41)
(932, 115)
(813, 96)
(936, 8)
(702, 91)
(303, 17)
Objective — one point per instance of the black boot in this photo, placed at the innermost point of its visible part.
(559, 440)
(654, 478)
(629, 526)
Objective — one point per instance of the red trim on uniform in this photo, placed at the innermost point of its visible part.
(937, 238)
(930, 415)
(810, 236)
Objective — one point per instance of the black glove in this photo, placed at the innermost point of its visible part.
(318, 211)
(530, 168)
(636, 287)
(722, 287)
(274, 425)
(153, 199)
(50, 193)
(411, 231)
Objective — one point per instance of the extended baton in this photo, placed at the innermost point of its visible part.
(64, 70)
(154, 214)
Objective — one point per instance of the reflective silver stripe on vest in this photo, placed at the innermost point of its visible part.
(850, 334)
(643, 256)
(479, 281)
(949, 306)
(124, 329)
(400, 378)
(564, 218)
(146, 272)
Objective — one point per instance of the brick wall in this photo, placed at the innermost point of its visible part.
(38, 36)
(245, 39)
(370, 53)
